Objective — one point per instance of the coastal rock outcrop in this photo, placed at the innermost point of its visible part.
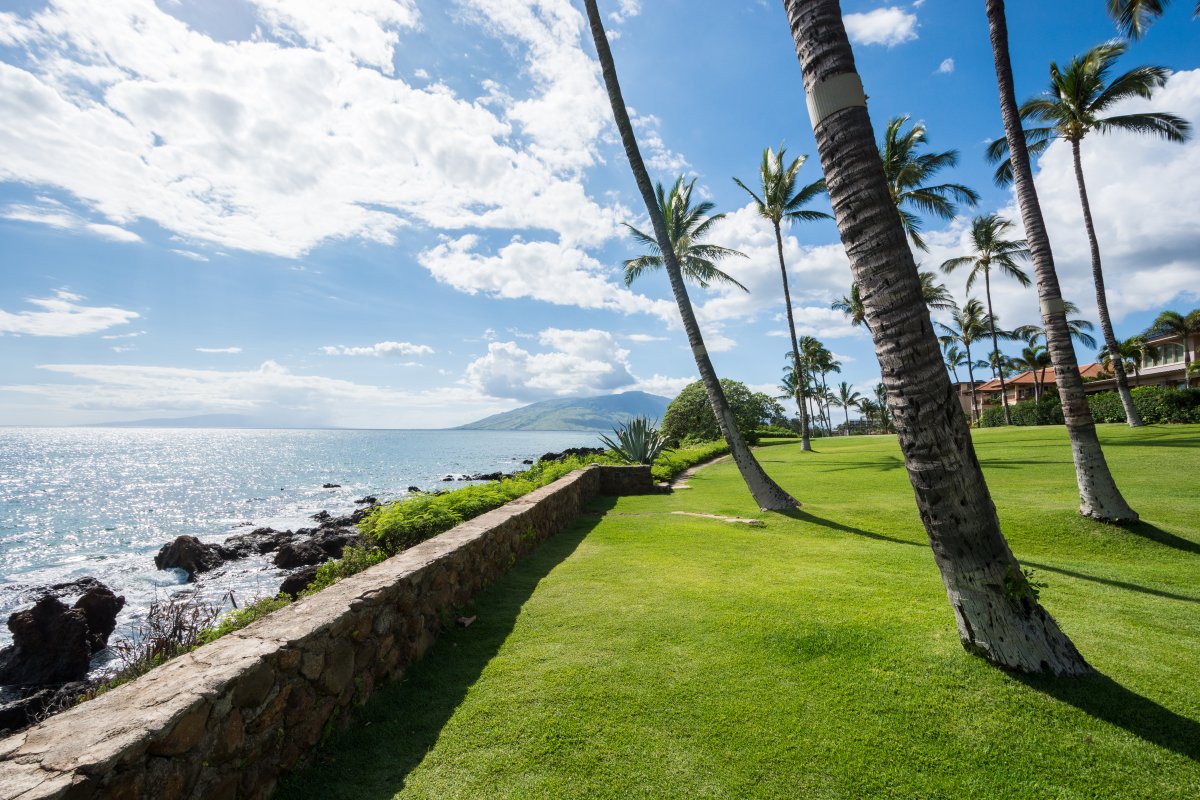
(50, 645)
(190, 555)
(257, 542)
(298, 581)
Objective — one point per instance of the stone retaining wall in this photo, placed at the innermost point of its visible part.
(226, 720)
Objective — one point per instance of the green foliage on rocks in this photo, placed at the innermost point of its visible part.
(239, 618)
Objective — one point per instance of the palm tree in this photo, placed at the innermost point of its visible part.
(1078, 328)
(992, 249)
(968, 325)
(780, 202)
(1133, 17)
(687, 225)
(997, 613)
(1099, 497)
(884, 409)
(1185, 326)
(846, 399)
(852, 306)
(1079, 97)
(908, 173)
(954, 357)
(1130, 352)
(1036, 359)
(767, 494)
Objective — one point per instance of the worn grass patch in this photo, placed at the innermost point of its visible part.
(645, 654)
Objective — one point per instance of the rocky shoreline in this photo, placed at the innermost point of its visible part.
(54, 644)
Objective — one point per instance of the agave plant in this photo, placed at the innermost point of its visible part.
(638, 441)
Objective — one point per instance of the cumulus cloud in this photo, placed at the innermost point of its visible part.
(658, 156)
(273, 392)
(62, 315)
(577, 362)
(946, 67)
(298, 135)
(887, 26)
(547, 271)
(379, 349)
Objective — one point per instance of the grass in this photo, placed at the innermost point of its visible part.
(645, 654)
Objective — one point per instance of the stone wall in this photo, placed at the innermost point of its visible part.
(228, 719)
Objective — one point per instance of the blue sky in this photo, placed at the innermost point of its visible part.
(405, 213)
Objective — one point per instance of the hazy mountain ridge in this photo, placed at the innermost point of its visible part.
(601, 413)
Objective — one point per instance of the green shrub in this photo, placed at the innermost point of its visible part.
(776, 432)
(1106, 407)
(638, 441)
(239, 618)
(353, 561)
(1155, 404)
(673, 462)
(689, 418)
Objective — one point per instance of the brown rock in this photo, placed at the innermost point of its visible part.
(186, 734)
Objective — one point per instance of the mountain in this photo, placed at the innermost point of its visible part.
(575, 414)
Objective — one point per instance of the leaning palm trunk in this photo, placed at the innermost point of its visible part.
(996, 610)
(1099, 497)
(801, 382)
(1110, 340)
(971, 375)
(768, 494)
(997, 368)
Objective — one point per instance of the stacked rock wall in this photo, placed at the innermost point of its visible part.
(226, 720)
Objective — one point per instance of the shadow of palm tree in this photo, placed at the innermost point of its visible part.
(1104, 698)
(1156, 534)
(885, 464)
(1132, 587)
(392, 734)
(804, 516)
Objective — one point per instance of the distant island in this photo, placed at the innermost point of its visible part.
(575, 414)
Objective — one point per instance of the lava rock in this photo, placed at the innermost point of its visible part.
(100, 606)
(298, 581)
(369, 500)
(331, 486)
(527, 462)
(572, 451)
(486, 476)
(413, 490)
(334, 543)
(50, 645)
(320, 516)
(256, 542)
(300, 554)
(189, 554)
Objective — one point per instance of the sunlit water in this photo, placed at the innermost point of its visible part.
(102, 501)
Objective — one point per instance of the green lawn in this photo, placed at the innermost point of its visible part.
(645, 654)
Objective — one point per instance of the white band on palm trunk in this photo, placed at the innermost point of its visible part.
(1053, 306)
(833, 95)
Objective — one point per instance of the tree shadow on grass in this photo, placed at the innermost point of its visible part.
(1132, 587)
(1157, 534)
(804, 516)
(400, 724)
(1105, 699)
(885, 464)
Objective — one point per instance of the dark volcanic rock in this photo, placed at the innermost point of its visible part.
(413, 490)
(100, 606)
(50, 645)
(257, 541)
(331, 486)
(369, 500)
(572, 451)
(300, 554)
(189, 554)
(28, 706)
(320, 516)
(527, 461)
(335, 542)
(298, 581)
(486, 476)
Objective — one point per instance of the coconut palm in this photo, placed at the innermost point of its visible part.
(1183, 325)
(909, 172)
(1078, 328)
(851, 305)
(782, 202)
(992, 251)
(1099, 497)
(1080, 95)
(884, 409)
(1133, 17)
(767, 494)
(954, 358)
(1036, 359)
(1130, 351)
(820, 362)
(997, 613)
(968, 325)
(846, 399)
(870, 410)
(687, 225)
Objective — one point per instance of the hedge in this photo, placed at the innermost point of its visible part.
(1155, 404)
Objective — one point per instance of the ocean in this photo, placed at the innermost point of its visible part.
(103, 501)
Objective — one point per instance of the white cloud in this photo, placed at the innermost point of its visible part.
(188, 254)
(644, 338)
(380, 349)
(554, 273)
(946, 67)
(658, 156)
(229, 350)
(62, 315)
(887, 26)
(56, 215)
(578, 362)
(662, 385)
(297, 136)
(625, 10)
(271, 392)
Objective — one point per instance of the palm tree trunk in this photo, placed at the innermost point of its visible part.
(1110, 340)
(767, 494)
(847, 409)
(829, 414)
(1099, 497)
(971, 376)
(997, 614)
(805, 443)
(997, 369)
